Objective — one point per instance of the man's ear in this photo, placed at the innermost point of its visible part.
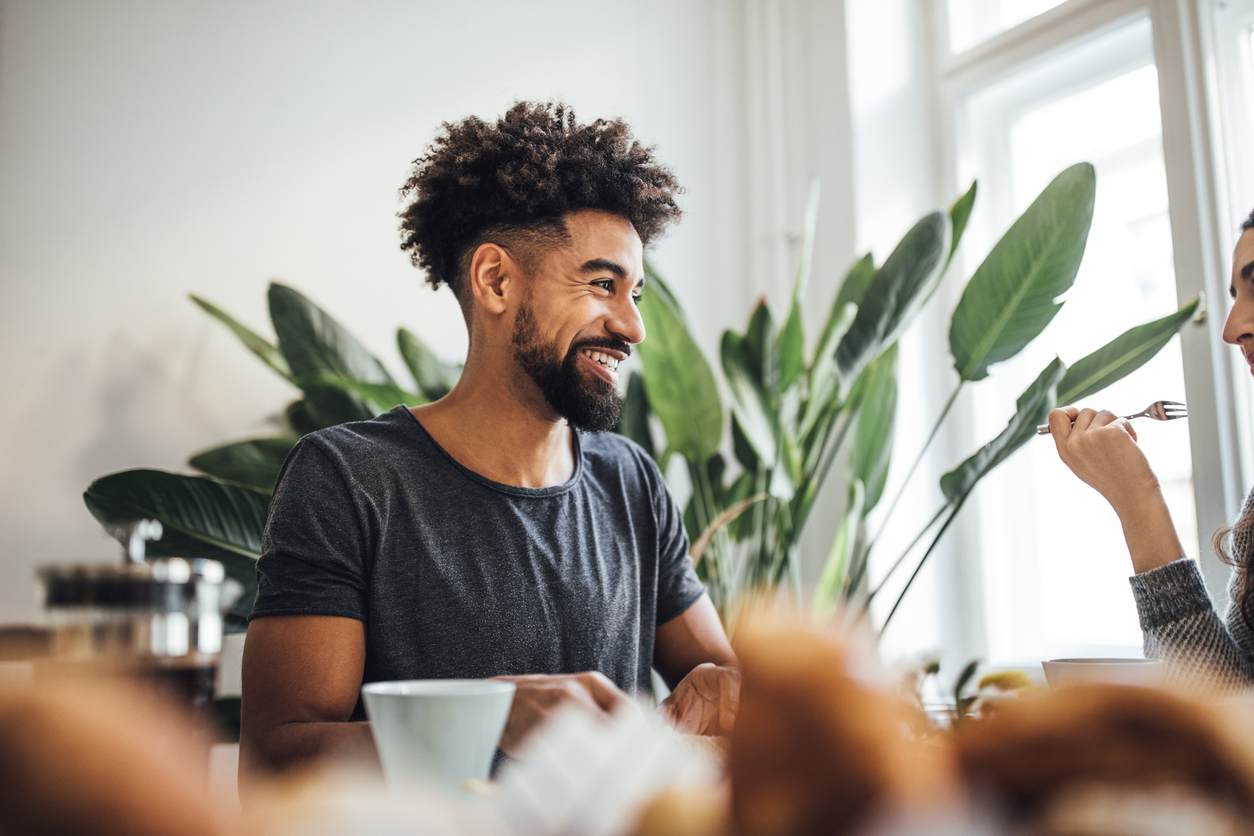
(494, 273)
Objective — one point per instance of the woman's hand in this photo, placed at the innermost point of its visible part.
(1101, 449)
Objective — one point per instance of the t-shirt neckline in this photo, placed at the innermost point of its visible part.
(515, 490)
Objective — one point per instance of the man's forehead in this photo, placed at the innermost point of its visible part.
(600, 241)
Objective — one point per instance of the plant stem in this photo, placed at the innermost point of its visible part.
(922, 561)
(827, 458)
(904, 554)
(901, 489)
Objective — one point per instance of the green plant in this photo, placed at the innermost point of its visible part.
(221, 515)
(792, 414)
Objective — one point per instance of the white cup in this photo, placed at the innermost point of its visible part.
(442, 730)
(1145, 672)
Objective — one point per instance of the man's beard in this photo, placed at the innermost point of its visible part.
(587, 402)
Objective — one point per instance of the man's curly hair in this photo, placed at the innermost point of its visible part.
(512, 183)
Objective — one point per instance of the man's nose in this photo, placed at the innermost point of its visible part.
(1240, 323)
(625, 322)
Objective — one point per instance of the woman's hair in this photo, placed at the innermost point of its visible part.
(512, 182)
(1235, 543)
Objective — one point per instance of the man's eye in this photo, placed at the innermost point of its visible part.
(635, 298)
(608, 284)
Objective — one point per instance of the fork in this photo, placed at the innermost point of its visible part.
(1158, 410)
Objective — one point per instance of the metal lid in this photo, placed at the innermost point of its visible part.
(161, 584)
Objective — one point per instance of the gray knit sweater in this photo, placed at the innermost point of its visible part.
(1182, 628)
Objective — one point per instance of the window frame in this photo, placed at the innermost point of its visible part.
(1183, 44)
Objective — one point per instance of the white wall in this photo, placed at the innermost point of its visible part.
(151, 149)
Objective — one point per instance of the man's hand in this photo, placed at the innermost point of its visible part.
(705, 701)
(539, 696)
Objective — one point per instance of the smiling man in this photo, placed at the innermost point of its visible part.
(500, 531)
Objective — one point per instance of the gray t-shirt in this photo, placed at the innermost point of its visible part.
(455, 575)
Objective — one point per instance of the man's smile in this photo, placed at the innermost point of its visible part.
(603, 362)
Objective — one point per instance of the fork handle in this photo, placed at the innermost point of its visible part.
(1043, 429)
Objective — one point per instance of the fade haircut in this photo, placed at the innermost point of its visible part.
(513, 181)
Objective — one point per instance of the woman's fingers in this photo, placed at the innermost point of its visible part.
(1083, 419)
(1060, 423)
(1103, 418)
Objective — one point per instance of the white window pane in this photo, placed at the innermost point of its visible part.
(1054, 561)
(974, 21)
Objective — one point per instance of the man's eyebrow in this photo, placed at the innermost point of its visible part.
(1247, 270)
(596, 265)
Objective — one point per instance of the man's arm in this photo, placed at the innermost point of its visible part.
(301, 678)
(692, 654)
(302, 675)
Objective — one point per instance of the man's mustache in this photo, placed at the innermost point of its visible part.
(611, 344)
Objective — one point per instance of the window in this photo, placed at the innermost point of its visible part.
(1052, 553)
(974, 21)
(1019, 91)
(1233, 52)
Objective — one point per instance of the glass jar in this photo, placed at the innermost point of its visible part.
(160, 620)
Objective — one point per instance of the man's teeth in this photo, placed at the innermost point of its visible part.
(602, 358)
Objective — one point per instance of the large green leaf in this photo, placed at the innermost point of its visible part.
(836, 570)
(314, 344)
(873, 438)
(633, 418)
(757, 349)
(824, 390)
(791, 347)
(747, 367)
(302, 419)
(654, 280)
(255, 462)
(680, 385)
(1031, 409)
(1014, 293)
(709, 495)
(742, 448)
(852, 289)
(824, 386)
(959, 216)
(898, 290)
(201, 517)
(257, 344)
(433, 376)
(378, 397)
(1121, 356)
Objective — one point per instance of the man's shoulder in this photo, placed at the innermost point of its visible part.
(361, 442)
(612, 452)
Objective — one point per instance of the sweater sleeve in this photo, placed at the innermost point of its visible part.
(1181, 627)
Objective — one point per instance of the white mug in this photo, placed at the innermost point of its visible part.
(441, 730)
(1147, 672)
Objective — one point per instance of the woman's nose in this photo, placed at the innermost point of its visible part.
(1239, 327)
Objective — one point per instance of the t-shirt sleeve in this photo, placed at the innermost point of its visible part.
(678, 586)
(314, 547)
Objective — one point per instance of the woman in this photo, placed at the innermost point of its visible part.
(1177, 617)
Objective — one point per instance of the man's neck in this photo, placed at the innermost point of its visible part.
(501, 428)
